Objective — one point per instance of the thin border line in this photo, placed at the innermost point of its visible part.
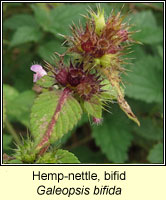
(163, 164)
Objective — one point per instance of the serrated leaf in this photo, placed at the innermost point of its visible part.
(43, 111)
(19, 20)
(149, 32)
(114, 137)
(65, 138)
(156, 154)
(58, 157)
(25, 34)
(111, 92)
(46, 81)
(81, 122)
(93, 107)
(145, 81)
(64, 156)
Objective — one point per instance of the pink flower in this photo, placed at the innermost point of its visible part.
(97, 121)
(40, 72)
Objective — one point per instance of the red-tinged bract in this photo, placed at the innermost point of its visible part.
(82, 83)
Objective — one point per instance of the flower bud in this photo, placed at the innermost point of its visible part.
(107, 60)
(75, 76)
(97, 121)
(99, 21)
(61, 76)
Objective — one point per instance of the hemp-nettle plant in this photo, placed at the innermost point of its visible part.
(86, 84)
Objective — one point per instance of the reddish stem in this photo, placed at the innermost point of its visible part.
(44, 143)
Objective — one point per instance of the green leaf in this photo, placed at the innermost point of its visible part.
(111, 92)
(145, 109)
(138, 52)
(42, 16)
(93, 107)
(25, 34)
(146, 23)
(114, 137)
(9, 92)
(18, 105)
(65, 138)
(57, 20)
(19, 20)
(149, 130)
(59, 157)
(17, 67)
(46, 81)
(46, 51)
(156, 154)
(64, 156)
(20, 109)
(7, 139)
(43, 111)
(64, 15)
(81, 122)
(145, 82)
(14, 161)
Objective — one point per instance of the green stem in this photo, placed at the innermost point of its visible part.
(11, 130)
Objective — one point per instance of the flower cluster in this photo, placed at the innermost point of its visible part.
(101, 46)
(83, 83)
(98, 50)
(96, 41)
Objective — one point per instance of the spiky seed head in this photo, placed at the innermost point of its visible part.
(99, 20)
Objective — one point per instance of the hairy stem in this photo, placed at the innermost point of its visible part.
(44, 143)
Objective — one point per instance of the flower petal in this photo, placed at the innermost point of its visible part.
(34, 77)
(40, 72)
(36, 68)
